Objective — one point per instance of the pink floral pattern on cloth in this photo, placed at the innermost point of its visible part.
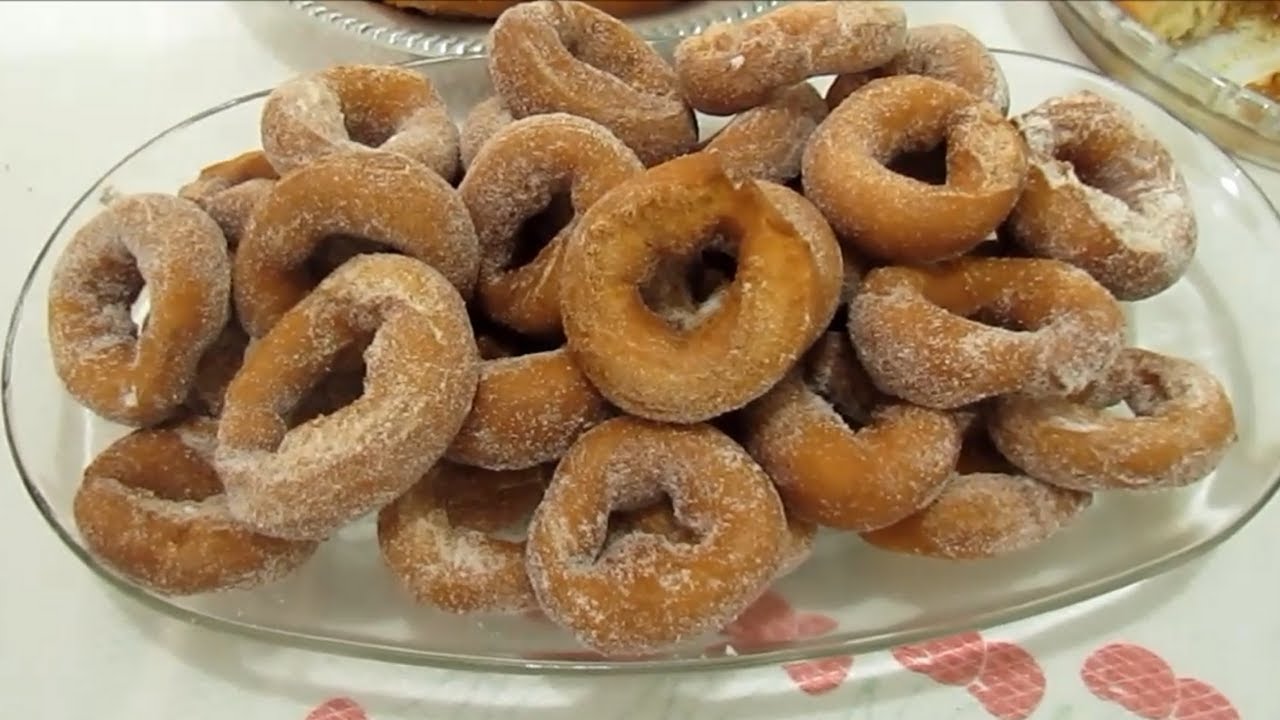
(771, 619)
(1002, 676)
(338, 708)
(1143, 683)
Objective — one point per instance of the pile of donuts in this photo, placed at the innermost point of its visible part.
(579, 360)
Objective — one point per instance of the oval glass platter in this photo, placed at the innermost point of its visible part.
(1221, 314)
(416, 33)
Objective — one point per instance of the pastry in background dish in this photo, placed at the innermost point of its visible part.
(490, 9)
(1185, 20)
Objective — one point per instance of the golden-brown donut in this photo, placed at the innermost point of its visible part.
(767, 142)
(380, 197)
(758, 326)
(130, 375)
(230, 191)
(219, 364)
(420, 377)
(485, 119)
(1182, 426)
(646, 592)
(517, 174)
(735, 66)
(1104, 194)
(527, 410)
(354, 108)
(563, 56)
(896, 218)
(442, 539)
(921, 332)
(942, 51)
(151, 507)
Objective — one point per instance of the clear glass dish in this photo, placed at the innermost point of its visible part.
(1203, 83)
(400, 29)
(1222, 314)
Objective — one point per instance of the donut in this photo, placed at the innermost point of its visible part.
(833, 271)
(380, 197)
(126, 374)
(645, 592)
(766, 142)
(553, 56)
(151, 507)
(527, 411)
(760, 323)
(515, 176)
(441, 538)
(922, 335)
(216, 368)
(1103, 194)
(230, 190)
(485, 119)
(1183, 424)
(898, 219)
(421, 368)
(353, 108)
(489, 9)
(944, 52)
(731, 67)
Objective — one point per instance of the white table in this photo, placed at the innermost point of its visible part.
(83, 83)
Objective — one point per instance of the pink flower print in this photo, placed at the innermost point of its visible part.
(816, 677)
(771, 620)
(1198, 700)
(338, 708)
(1011, 683)
(1140, 681)
(953, 660)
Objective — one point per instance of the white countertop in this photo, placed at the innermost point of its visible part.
(83, 83)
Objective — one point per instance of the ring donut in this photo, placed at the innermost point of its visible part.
(915, 334)
(1105, 195)
(483, 122)
(130, 375)
(354, 108)
(846, 477)
(152, 507)
(767, 142)
(230, 191)
(944, 52)
(440, 539)
(896, 218)
(378, 197)
(760, 325)
(1183, 425)
(552, 56)
(420, 378)
(517, 174)
(731, 67)
(646, 592)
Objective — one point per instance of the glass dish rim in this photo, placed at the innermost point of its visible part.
(438, 44)
(818, 648)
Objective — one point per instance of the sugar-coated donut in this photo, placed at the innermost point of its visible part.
(841, 476)
(831, 370)
(1104, 194)
(220, 362)
(896, 218)
(767, 142)
(515, 177)
(352, 108)
(813, 228)
(645, 592)
(1182, 426)
(152, 508)
(485, 119)
(130, 375)
(230, 191)
(527, 410)
(731, 67)
(761, 322)
(915, 334)
(381, 197)
(942, 51)
(562, 56)
(420, 378)
(441, 538)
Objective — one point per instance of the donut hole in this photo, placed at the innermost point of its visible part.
(653, 521)
(927, 165)
(539, 229)
(831, 370)
(335, 250)
(683, 291)
(140, 306)
(340, 387)
(174, 470)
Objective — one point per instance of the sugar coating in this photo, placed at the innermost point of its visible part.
(767, 142)
(646, 592)
(132, 375)
(1104, 194)
(231, 190)
(1184, 423)
(549, 56)
(486, 118)
(352, 108)
(731, 67)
